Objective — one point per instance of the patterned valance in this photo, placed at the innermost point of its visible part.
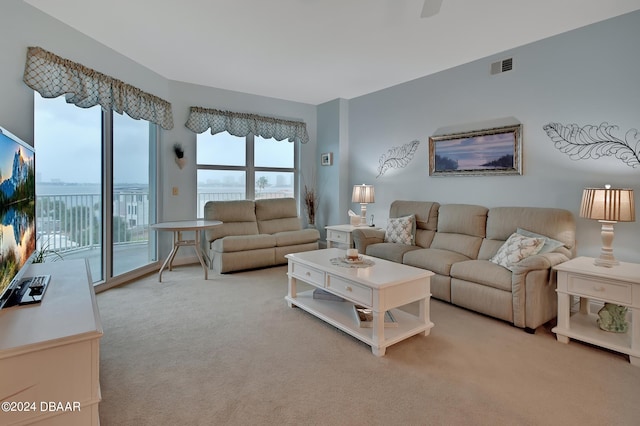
(52, 76)
(239, 124)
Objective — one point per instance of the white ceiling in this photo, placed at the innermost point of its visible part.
(314, 51)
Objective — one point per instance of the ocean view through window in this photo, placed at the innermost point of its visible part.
(83, 153)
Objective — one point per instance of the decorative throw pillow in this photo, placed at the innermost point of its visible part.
(400, 230)
(549, 243)
(516, 248)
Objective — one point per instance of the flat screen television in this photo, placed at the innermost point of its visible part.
(17, 213)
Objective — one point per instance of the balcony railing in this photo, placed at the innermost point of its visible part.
(71, 222)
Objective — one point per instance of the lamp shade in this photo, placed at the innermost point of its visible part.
(614, 205)
(363, 194)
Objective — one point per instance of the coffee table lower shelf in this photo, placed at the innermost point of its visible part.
(341, 315)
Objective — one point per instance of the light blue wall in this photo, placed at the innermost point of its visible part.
(333, 138)
(24, 26)
(586, 76)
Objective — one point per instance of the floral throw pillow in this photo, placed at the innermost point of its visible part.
(516, 248)
(400, 230)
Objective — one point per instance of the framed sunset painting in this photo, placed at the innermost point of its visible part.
(495, 151)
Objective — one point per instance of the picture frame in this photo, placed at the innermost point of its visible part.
(326, 159)
(496, 151)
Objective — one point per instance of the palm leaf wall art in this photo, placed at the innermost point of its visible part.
(593, 141)
(397, 157)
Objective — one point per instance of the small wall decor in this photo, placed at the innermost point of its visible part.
(496, 151)
(397, 157)
(326, 159)
(180, 160)
(593, 141)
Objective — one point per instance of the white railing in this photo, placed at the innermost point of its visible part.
(71, 222)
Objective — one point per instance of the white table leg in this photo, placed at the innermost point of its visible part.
(564, 311)
(168, 260)
(378, 334)
(424, 314)
(292, 290)
(199, 254)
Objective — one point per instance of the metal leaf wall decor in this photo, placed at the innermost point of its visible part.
(397, 157)
(593, 141)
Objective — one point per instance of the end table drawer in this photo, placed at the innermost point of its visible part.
(356, 292)
(310, 275)
(599, 289)
(337, 236)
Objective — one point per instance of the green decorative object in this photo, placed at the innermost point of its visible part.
(612, 317)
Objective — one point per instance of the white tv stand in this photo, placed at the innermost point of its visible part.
(50, 352)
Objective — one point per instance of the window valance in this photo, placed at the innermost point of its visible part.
(240, 124)
(52, 76)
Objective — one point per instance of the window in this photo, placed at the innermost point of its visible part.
(237, 168)
(91, 165)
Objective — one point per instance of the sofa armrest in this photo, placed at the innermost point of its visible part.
(539, 262)
(362, 237)
(533, 289)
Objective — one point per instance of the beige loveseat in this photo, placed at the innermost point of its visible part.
(457, 241)
(255, 234)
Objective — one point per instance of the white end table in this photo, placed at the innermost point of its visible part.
(178, 227)
(341, 234)
(619, 284)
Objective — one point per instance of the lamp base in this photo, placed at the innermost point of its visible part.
(363, 214)
(606, 258)
(607, 263)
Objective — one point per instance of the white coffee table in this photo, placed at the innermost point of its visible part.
(383, 286)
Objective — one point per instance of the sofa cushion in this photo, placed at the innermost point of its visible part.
(489, 248)
(434, 260)
(483, 272)
(466, 245)
(516, 248)
(390, 251)
(277, 215)
(401, 230)
(238, 218)
(463, 219)
(303, 236)
(234, 243)
(558, 224)
(426, 212)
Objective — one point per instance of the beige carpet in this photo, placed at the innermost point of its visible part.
(228, 351)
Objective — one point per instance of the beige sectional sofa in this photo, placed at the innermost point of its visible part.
(255, 234)
(458, 242)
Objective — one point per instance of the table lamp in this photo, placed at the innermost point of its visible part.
(363, 194)
(608, 206)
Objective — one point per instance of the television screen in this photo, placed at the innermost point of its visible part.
(17, 210)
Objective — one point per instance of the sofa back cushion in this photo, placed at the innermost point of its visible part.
(558, 224)
(238, 218)
(277, 215)
(461, 228)
(426, 214)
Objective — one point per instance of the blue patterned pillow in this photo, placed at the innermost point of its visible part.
(401, 230)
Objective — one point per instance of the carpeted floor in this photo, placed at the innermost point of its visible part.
(228, 351)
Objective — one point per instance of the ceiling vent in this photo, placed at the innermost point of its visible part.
(502, 66)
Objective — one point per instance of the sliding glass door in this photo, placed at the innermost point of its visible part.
(95, 187)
